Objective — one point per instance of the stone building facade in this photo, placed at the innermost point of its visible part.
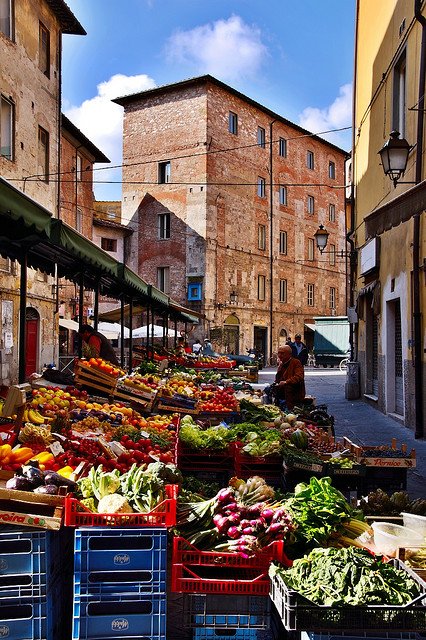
(224, 197)
(30, 46)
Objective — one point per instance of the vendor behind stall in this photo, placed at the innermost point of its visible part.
(96, 345)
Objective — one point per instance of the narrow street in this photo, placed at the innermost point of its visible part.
(360, 422)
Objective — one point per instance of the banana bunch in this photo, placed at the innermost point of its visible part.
(32, 433)
(33, 416)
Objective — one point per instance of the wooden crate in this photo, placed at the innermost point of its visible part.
(407, 461)
(27, 509)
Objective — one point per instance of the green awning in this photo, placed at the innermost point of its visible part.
(131, 280)
(158, 296)
(83, 251)
(19, 207)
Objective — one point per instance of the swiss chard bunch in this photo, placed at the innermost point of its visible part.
(319, 509)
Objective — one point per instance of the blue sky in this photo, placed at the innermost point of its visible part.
(293, 56)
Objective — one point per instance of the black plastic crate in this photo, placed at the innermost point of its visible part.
(299, 614)
(227, 611)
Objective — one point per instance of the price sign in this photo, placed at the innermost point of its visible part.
(56, 448)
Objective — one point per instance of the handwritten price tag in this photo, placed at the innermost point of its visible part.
(56, 448)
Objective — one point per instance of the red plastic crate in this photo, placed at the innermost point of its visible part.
(219, 461)
(164, 514)
(245, 466)
(195, 571)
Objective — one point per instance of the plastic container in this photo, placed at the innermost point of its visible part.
(223, 612)
(388, 537)
(415, 523)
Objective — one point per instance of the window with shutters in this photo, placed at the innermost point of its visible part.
(311, 205)
(109, 244)
(283, 196)
(332, 255)
(311, 249)
(164, 225)
(332, 299)
(311, 295)
(261, 137)
(6, 18)
(43, 154)
(44, 50)
(163, 279)
(7, 123)
(310, 159)
(261, 237)
(233, 123)
(261, 287)
(282, 147)
(164, 172)
(283, 290)
(283, 243)
(332, 212)
(331, 170)
(261, 187)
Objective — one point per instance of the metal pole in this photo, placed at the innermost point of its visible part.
(96, 307)
(130, 336)
(80, 311)
(122, 332)
(22, 317)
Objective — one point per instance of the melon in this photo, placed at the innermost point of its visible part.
(299, 438)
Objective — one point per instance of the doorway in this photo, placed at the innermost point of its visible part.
(394, 362)
(32, 329)
(260, 341)
(231, 335)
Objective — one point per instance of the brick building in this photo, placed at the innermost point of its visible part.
(224, 197)
(30, 124)
(78, 156)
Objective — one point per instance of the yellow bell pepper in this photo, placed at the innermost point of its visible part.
(65, 471)
(23, 454)
(43, 457)
(5, 453)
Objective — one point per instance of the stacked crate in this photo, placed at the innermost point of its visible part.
(35, 569)
(120, 583)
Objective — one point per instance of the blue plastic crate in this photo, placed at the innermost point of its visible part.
(23, 552)
(31, 561)
(120, 561)
(120, 616)
(212, 633)
(31, 619)
(226, 612)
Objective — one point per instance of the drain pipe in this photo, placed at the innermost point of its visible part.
(417, 316)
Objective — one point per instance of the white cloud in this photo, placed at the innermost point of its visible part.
(102, 122)
(228, 49)
(335, 116)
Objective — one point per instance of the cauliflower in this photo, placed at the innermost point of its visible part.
(114, 503)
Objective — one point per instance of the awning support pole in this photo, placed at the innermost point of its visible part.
(80, 311)
(96, 307)
(130, 335)
(175, 340)
(122, 332)
(22, 317)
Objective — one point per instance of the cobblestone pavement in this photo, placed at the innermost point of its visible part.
(360, 422)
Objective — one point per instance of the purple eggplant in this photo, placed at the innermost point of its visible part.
(51, 477)
(47, 489)
(19, 483)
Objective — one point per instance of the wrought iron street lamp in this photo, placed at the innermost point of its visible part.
(394, 156)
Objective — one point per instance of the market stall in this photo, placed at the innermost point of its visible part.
(252, 497)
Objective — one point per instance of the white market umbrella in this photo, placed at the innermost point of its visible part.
(141, 332)
(112, 330)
